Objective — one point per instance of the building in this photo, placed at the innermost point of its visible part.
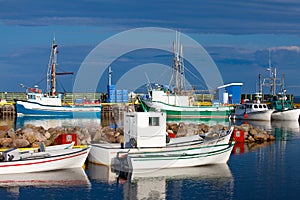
(230, 93)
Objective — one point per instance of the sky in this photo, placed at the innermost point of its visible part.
(237, 35)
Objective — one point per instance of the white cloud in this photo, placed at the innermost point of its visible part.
(287, 48)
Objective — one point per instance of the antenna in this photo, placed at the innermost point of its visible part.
(149, 83)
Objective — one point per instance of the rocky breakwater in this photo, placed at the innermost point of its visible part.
(254, 134)
(251, 134)
(32, 136)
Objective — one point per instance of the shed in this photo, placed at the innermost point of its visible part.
(230, 93)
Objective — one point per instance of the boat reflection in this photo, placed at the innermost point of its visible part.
(285, 130)
(51, 122)
(286, 125)
(52, 179)
(156, 183)
(101, 173)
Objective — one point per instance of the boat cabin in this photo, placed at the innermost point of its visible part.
(250, 107)
(35, 95)
(144, 129)
(281, 104)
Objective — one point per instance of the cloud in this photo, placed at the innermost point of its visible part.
(199, 16)
(287, 48)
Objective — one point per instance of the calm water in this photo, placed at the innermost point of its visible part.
(267, 171)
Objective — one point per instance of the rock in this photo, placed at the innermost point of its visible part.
(110, 138)
(40, 137)
(272, 137)
(3, 134)
(253, 132)
(29, 135)
(47, 135)
(6, 142)
(174, 128)
(245, 127)
(260, 137)
(35, 145)
(251, 139)
(120, 139)
(19, 143)
(97, 136)
(11, 133)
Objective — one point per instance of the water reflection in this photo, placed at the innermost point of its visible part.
(52, 179)
(156, 184)
(283, 128)
(57, 122)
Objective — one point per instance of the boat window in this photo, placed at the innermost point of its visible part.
(260, 106)
(153, 121)
(255, 106)
(31, 96)
(265, 106)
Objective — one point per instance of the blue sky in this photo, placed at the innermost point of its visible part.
(236, 34)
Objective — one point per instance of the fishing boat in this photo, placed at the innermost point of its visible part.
(252, 111)
(49, 103)
(284, 110)
(178, 102)
(190, 157)
(282, 107)
(145, 134)
(15, 161)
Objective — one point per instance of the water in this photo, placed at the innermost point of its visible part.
(265, 171)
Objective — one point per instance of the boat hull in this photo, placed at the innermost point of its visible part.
(216, 154)
(106, 154)
(25, 108)
(286, 115)
(190, 112)
(59, 159)
(259, 115)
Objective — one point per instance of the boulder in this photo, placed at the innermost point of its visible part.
(29, 135)
(6, 142)
(3, 134)
(19, 143)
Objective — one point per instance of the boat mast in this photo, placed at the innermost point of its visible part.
(51, 74)
(272, 81)
(177, 78)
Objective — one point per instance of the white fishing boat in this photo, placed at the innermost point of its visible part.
(252, 111)
(190, 157)
(178, 102)
(284, 110)
(48, 104)
(145, 134)
(16, 161)
(282, 106)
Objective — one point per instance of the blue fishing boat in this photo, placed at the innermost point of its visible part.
(50, 104)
